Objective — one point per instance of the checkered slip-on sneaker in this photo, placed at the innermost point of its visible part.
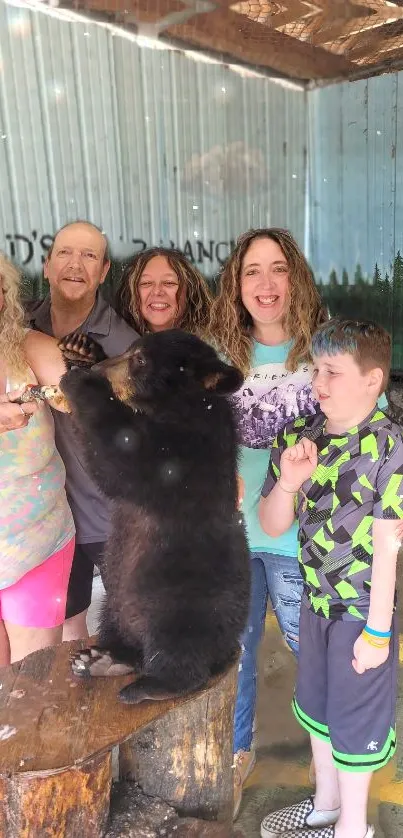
(300, 816)
(326, 832)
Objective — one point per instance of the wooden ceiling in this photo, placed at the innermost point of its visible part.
(305, 40)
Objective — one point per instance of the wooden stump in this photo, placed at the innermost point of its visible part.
(186, 757)
(68, 803)
(57, 735)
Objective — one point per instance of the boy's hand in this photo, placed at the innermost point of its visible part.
(367, 656)
(297, 464)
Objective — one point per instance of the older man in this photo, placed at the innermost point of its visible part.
(76, 266)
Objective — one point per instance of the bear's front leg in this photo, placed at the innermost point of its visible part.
(80, 350)
(105, 426)
(94, 405)
(81, 387)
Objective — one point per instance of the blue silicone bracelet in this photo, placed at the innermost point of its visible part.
(375, 633)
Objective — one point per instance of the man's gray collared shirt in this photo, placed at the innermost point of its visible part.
(89, 507)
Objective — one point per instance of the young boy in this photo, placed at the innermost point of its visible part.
(341, 473)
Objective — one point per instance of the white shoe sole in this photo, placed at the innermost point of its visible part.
(264, 833)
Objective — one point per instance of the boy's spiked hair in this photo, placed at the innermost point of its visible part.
(368, 343)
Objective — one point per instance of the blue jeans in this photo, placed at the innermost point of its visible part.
(279, 578)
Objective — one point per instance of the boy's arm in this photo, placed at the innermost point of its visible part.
(277, 510)
(276, 507)
(383, 582)
(287, 472)
(388, 513)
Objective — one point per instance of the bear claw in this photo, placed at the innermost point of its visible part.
(80, 350)
(97, 663)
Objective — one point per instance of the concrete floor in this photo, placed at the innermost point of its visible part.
(283, 756)
(281, 773)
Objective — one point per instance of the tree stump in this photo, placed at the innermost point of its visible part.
(186, 757)
(57, 735)
(54, 804)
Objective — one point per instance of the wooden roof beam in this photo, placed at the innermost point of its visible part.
(225, 31)
(361, 46)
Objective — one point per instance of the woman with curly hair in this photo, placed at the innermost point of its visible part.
(161, 290)
(263, 319)
(36, 525)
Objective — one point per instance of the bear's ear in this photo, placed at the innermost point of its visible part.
(223, 379)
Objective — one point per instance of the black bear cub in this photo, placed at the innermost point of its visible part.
(159, 437)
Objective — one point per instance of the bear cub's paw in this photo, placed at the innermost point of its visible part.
(97, 663)
(80, 350)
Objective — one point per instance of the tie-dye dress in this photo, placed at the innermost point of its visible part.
(35, 518)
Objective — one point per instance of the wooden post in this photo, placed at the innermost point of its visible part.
(73, 803)
(185, 758)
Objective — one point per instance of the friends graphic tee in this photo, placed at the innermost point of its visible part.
(270, 397)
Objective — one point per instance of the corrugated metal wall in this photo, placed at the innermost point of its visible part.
(149, 144)
(356, 199)
(356, 160)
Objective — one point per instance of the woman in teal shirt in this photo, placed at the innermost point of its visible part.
(263, 319)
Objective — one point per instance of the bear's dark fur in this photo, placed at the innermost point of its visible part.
(159, 438)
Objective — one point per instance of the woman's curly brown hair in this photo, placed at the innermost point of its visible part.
(231, 324)
(198, 300)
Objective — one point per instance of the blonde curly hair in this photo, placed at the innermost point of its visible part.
(231, 324)
(196, 315)
(12, 332)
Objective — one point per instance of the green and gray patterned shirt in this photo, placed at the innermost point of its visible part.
(359, 477)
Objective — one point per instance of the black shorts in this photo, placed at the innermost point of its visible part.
(354, 713)
(80, 585)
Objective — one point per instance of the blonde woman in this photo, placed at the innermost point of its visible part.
(161, 290)
(36, 525)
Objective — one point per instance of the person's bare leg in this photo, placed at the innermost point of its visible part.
(327, 795)
(311, 774)
(75, 628)
(354, 793)
(24, 640)
(4, 646)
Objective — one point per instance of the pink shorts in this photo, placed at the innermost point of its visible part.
(38, 600)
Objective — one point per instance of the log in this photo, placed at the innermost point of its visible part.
(57, 735)
(186, 757)
(68, 803)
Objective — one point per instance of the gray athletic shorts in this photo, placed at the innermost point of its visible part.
(355, 713)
